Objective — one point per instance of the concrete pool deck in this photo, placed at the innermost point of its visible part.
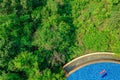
(87, 59)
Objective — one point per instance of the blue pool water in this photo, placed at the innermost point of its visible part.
(92, 72)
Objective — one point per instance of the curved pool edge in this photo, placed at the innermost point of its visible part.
(87, 59)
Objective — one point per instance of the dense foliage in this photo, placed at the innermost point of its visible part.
(37, 37)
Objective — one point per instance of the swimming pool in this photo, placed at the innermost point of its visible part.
(111, 71)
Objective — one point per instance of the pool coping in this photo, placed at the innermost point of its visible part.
(87, 59)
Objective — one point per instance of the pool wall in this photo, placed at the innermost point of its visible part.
(84, 60)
